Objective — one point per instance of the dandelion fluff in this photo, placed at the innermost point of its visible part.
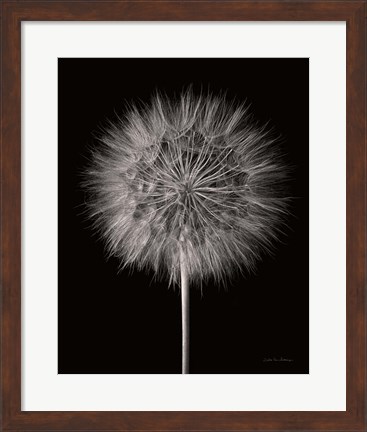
(196, 175)
(192, 188)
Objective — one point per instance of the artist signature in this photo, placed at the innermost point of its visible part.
(276, 359)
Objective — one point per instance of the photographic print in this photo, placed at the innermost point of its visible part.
(183, 215)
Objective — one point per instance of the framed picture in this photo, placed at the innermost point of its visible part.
(183, 216)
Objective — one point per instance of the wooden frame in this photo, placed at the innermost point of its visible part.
(13, 12)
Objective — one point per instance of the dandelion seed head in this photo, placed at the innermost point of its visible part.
(195, 174)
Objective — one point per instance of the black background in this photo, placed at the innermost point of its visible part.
(127, 323)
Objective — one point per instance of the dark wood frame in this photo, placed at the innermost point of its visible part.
(13, 12)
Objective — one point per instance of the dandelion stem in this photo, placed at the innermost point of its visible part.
(185, 309)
